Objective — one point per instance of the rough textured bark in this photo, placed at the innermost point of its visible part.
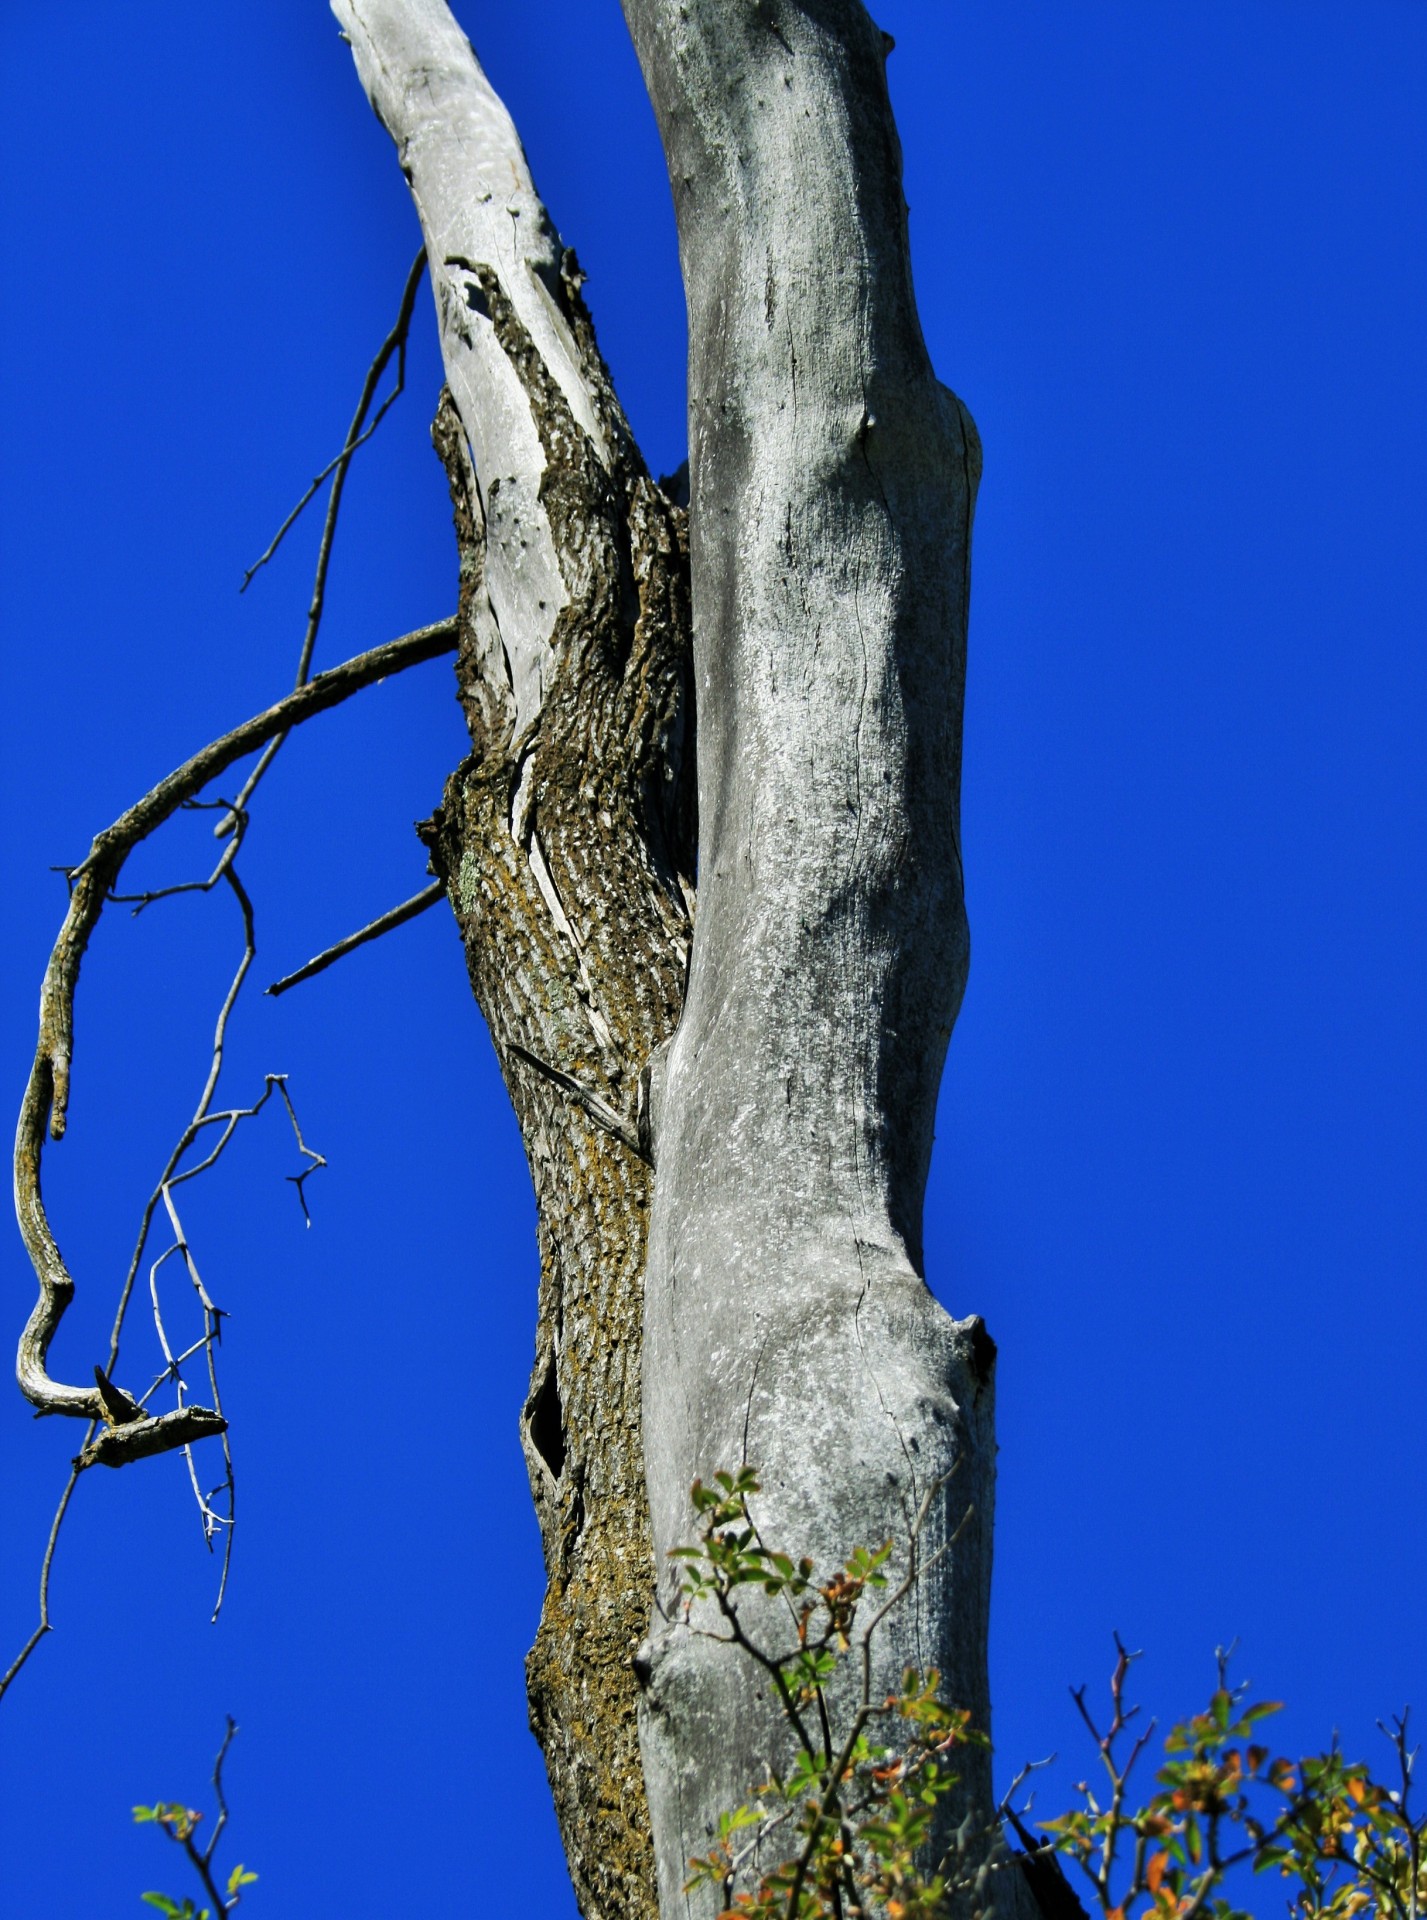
(589, 985)
(787, 1319)
(772, 1265)
(566, 845)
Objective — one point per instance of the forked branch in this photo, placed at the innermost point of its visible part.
(46, 1096)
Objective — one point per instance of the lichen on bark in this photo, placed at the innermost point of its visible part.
(567, 855)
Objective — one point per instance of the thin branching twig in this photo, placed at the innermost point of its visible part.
(180, 1823)
(43, 1627)
(395, 342)
(122, 1428)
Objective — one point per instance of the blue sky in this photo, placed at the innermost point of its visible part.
(1172, 258)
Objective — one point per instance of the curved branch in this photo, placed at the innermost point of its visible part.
(47, 1092)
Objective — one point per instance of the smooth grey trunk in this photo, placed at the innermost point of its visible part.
(773, 1256)
(787, 1320)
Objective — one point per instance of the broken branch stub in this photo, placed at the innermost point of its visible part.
(117, 1446)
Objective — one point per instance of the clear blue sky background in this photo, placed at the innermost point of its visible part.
(1172, 257)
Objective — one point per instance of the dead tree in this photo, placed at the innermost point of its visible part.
(746, 683)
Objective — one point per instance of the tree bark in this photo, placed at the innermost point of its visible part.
(787, 1319)
(772, 1265)
(566, 844)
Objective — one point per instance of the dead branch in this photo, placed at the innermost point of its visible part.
(120, 1427)
(357, 435)
(180, 1427)
(395, 342)
(396, 917)
(619, 1124)
(43, 1626)
(47, 1092)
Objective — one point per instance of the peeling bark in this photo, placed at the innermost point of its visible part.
(565, 842)
(575, 930)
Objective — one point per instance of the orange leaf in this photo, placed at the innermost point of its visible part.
(1155, 1871)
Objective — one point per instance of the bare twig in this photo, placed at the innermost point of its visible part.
(395, 342)
(1006, 1811)
(619, 1124)
(218, 1793)
(299, 1180)
(397, 917)
(44, 1626)
(231, 812)
(1121, 1717)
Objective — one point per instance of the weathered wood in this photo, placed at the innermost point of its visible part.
(588, 989)
(775, 1256)
(788, 1323)
(566, 845)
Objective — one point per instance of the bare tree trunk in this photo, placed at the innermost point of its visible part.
(785, 1317)
(787, 1321)
(566, 845)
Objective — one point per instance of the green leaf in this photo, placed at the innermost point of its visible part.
(1260, 1711)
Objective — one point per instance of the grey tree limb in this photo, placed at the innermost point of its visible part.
(788, 1322)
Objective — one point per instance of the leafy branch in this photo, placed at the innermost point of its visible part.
(852, 1823)
(855, 1812)
(1347, 1844)
(180, 1823)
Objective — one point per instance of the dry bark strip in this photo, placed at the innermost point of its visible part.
(587, 984)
